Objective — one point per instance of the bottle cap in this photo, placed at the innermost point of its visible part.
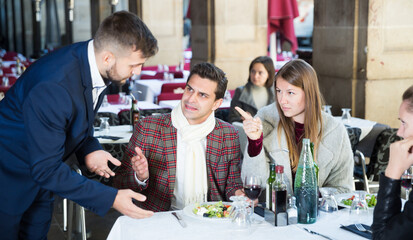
(279, 169)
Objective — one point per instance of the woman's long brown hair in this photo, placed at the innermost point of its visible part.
(300, 74)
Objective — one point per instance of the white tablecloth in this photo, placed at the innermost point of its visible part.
(123, 131)
(172, 103)
(365, 125)
(116, 108)
(164, 226)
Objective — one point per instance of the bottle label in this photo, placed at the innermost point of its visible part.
(135, 117)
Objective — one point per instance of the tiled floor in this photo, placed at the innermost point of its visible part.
(97, 227)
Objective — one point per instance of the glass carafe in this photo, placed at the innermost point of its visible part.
(346, 116)
(328, 201)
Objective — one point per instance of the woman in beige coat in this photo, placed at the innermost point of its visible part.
(296, 115)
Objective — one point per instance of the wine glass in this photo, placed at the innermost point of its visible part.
(346, 116)
(252, 188)
(328, 201)
(104, 126)
(407, 181)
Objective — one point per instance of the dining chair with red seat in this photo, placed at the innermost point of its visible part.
(173, 87)
(10, 56)
(169, 96)
(158, 75)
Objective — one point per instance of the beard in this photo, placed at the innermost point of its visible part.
(113, 78)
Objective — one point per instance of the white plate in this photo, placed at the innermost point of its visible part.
(188, 211)
(344, 196)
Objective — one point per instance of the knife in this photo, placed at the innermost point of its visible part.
(180, 220)
(319, 234)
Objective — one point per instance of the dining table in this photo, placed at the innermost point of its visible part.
(370, 130)
(149, 89)
(163, 225)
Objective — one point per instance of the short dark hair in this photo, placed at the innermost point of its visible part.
(124, 30)
(408, 96)
(213, 73)
(268, 65)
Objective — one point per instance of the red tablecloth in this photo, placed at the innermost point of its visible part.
(281, 14)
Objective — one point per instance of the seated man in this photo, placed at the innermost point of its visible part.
(186, 156)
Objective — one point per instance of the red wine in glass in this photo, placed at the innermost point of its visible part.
(407, 181)
(252, 191)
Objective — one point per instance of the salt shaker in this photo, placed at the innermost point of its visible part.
(292, 211)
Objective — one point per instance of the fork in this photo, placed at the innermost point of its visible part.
(361, 228)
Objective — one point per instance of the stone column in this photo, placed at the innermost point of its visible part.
(165, 19)
(362, 55)
(230, 34)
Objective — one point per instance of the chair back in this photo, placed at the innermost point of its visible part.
(169, 96)
(173, 88)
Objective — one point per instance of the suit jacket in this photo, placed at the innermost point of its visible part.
(243, 99)
(334, 154)
(157, 138)
(45, 117)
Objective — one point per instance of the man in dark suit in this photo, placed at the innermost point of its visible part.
(186, 156)
(47, 116)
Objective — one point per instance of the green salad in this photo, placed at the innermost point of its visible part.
(370, 199)
(218, 210)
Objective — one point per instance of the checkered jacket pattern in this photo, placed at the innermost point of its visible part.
(156, 136)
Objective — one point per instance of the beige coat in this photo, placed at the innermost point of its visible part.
(334, 155)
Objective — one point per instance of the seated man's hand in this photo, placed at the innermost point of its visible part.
(252, 126)
(97, 162)
(123, 203)
(140, 165)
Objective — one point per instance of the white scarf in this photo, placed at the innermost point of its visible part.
(195, 175)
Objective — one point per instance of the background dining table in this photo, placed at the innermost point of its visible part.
(163, 225)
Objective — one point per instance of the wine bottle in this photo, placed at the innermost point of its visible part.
(279, 197)
(268, 189)
(305, 186)
(134, 113)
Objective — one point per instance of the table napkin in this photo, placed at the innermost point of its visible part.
(109, 137)
(353, 229)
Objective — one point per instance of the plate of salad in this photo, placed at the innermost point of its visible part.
(346, 199)
(209, 210)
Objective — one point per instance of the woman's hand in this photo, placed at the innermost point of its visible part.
(401, 158)
(252, 126)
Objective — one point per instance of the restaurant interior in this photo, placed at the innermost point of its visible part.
(359, 49)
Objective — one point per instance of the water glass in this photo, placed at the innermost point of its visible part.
(104, 126)
(105, 102)
(5, 82)
(327, 109)
(328, 201)
(359, 209)
(239, 212)
(122, 97)
(346, 117)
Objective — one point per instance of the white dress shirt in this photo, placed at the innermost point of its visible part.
(97, 81)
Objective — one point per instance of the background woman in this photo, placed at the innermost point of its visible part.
(296, 115)
(258, 91)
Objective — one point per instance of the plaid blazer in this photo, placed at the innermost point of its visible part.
(157, 138)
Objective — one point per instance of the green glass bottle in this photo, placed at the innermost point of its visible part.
(315, 164)
(305, 186)
(268, 188)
